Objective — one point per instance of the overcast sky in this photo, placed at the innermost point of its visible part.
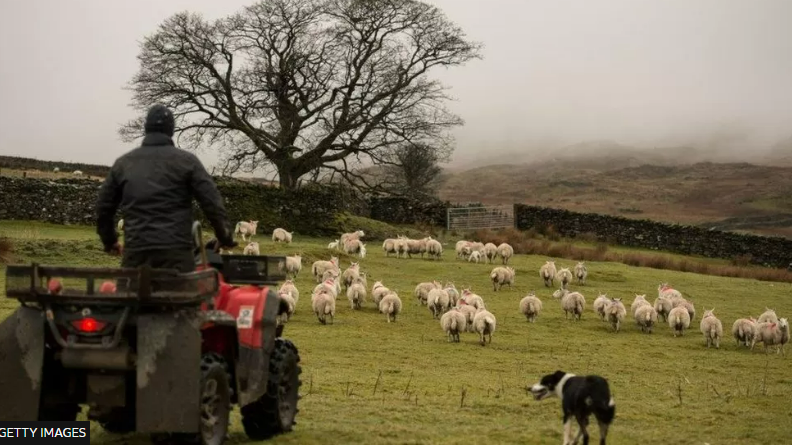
(633, 71)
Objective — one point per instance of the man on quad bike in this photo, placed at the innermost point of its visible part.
(153, 186)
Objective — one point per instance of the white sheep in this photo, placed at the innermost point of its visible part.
(330, 285)
(245, 228)
(434, 249)
(389, 246)
(378, 290)
(453, 322)
(77, 173)
(462, 249)
(320, 266)
(474, 256)
(438, 302)
(422, 290)
(687, 305)
(571, 302)
(288, 286)
(356, 294)
(581, 272)
(547, 273)
(417, 246)
(294, 265)
(663, 305)
(252, 248)
(349, 275)
(484, 323)
(120, 225)
(333, 244)
(531, 306)
(679, 320)
(565, 276)
(477, 246)
(502, 275)
(56, 170)
(768, 316)
(453, 293)
(287, 298)
(471, 299)
(351, 236)
(323, 305)
(639, 300)
(390, 305)
(490, 252)
(505, 251)
(744, 330)
(354, 246)
(600, 303)
(646, 317)
(469, 312)
(281, 235)
(712, 328)
(615, 313)
(665, 290)
(773, 334)
(402, 246)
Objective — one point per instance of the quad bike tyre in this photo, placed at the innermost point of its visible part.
(215, 406)
(275, 411)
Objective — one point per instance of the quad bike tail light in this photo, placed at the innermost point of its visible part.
(89, 325)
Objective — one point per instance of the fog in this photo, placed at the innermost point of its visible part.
(646, 73)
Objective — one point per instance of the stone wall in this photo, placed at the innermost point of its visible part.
(688, 240)
(398, 210)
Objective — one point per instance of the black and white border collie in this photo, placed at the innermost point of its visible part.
(580, 397)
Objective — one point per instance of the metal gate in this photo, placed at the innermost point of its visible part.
(483, 217)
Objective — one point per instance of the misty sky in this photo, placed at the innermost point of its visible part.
(634, 71)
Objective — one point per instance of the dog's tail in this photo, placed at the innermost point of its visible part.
(608, 412)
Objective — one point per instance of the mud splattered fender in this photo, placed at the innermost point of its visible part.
(21, 361)
(256, 342)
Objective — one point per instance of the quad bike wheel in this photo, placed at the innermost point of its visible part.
(275, 411)
(215, 405)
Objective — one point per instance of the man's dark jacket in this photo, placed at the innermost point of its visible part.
(153, 187)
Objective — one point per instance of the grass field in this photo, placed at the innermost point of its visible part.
(367, 381)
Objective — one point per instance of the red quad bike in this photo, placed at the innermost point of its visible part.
(151, 350)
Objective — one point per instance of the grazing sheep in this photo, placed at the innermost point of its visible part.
(245, 228)
(287, 298)
(469, 312)
(565, 276)
(484, 323)
(417, 246)
(453, 322)
(323, 305)
(288, 286)
(390, 305)
(615, 313)
(474, 256)
(664, 290)
(434, 249)
(581, 272)
(712, 328)
(744, 330)
(471, 299)
(768, 316)
(547, 273)
(640, 300)
(477, 246)
(320, 266)
(453, 293)
(356, 293)
(490, 252)
(531, 306)
(463, 249)
(349, 275)
(422, 290)
(505, 251)
(378, 290)
(773, 334)
(281, 235)
(251, 249)
(401, 247)
(679, 320)
(333, 244)
(294, 265)
(500, 276)
(663, 305)
(573, 302)
(600, 303)
(438, 302)
(646, 318)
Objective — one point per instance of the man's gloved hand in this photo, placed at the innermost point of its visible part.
(227, 245)
(116, 249)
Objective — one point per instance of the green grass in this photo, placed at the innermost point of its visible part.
(729, 395)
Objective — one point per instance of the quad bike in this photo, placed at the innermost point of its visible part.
(151, 350)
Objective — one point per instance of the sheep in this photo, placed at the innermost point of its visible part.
(599, 305)
(505, 251)
(389, 246)
(77, 173)
(500, 276)
(245, 228)
(390, 305)
(330, 274)
(531, 306)
(663, 289)
(565, 276)
(416, 246)
(120, 225)
(469, 312)
(361, 279)
(287, 298)
(547, 273)
(646, 317)
(354, 246)
(453, 322)
(378, 290)
(251, 249)
(434, 249)
(453, 293)
(490, 252)
(615, 313)
(679, 320)
(462, 249)
(422, 290)
(351, 236)
(471, 299)
(288, 286)
(356, 293)
(712, 328)
(768, 316)
(333, 245)
(773, 334)
(56, 170)
(349, 275)
(639, 300)
(438, 302)
(663, 305)
(573, 302)
(687, 305)
(484, 323)
(320, 266)
(581, 272)
(477, 246)
(281, 235)
(362, 253)
(402, 247)
(328, 286)
(294, 265)
(744, 330)
(323, 305)
(474, 256)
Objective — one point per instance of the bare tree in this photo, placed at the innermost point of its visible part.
(304, 85)
(416, 169)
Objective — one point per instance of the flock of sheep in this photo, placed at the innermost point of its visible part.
(464, 311)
